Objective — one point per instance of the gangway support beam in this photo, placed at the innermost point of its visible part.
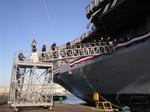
(31, 84)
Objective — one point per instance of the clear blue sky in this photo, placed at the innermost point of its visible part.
(44, 20)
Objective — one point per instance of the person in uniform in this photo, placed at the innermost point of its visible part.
(43, 49)
(68, 45)
(21, 56)
(33, 45)
(53, 46)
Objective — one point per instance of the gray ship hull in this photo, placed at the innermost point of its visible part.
(115, 76)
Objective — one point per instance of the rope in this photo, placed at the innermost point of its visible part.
(87, 80)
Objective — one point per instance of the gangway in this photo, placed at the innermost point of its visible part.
(90, 49)
(31, 84)
(32, 79)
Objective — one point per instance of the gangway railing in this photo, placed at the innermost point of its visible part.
(76, 52)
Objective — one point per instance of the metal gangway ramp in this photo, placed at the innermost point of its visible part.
(71, 52)
(31, 84)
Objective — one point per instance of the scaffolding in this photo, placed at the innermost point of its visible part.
(31, 84)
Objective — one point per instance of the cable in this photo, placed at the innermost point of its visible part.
(95, 89)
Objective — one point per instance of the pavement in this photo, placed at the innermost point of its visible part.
(57, 108)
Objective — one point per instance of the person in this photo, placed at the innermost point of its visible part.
(21, 56)
(115, 41)
(102, 39)
(53, 46)
(43, 49)
(33, 45)
(68, 45)
(94, 42)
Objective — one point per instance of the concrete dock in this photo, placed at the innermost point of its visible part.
(57, 108)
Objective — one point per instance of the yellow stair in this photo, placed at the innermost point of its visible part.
(103, 106)
(106, 106)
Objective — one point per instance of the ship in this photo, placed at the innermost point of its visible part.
(122, 76)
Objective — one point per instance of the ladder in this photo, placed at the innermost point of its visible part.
(31, 84)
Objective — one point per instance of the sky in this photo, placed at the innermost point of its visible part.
(46, 21)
